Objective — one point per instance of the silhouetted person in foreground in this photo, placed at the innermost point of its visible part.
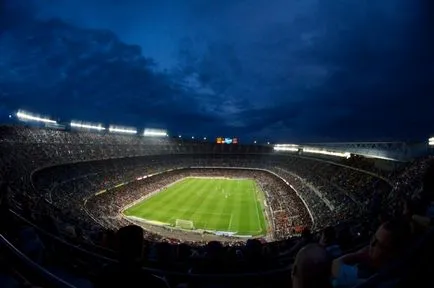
(311, 268)
(329, 242)
(388, 244)
(128, 272)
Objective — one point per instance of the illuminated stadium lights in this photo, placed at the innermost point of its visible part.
(155, 133)
(283, 148)
(25, 116)
(192, 137)
(325, 152)
(431, 141)
(81, 125)
(286, 147)
(115, 129)
(254, 142)
(268, 143)
(179, 136)
(204, 138)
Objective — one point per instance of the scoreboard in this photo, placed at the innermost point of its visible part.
(226, 140)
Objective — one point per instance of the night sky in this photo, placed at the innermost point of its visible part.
(280, 70)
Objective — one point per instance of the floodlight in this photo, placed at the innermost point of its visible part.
(82, 125)
(25, 116)
(286, 145)
(155, 132)
(115, 129)
(280, 148)
(325, 152)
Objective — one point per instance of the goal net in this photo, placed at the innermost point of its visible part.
(184, 224)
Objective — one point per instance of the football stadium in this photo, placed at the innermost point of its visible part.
(216, 144)
(197, 202)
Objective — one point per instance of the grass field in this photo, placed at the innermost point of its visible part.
(229, 205)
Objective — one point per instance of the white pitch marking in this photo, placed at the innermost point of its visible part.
(230, 222)
(256, 206)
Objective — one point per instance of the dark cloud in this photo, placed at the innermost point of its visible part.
(287, 70)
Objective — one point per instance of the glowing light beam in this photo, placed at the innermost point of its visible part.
(155, 133)
(114, 129)
(326, 152)
(86, 126)
(26, 116)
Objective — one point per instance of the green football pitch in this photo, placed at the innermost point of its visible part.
(227, 205)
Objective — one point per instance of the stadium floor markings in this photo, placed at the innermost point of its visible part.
(255, 199)
(179, 195)
(203, 209)
(219, 205)
(256, 212)
(224, 210)
(241, 217)
(198, 198)
(198, 203)
(230, 222)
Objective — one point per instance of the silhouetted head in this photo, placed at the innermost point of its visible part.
(311, 268)
(306, 234)
(214, 249)
(253, 247)
(328, 236)
(389, 241)
(130, 244)
(183, 251)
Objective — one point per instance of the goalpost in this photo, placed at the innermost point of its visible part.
(184, 224)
